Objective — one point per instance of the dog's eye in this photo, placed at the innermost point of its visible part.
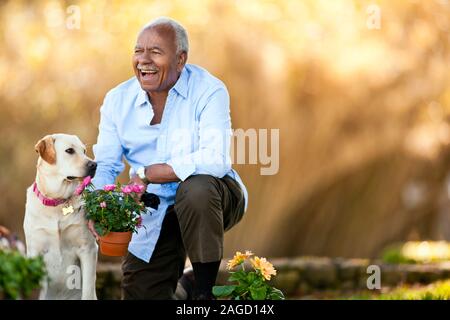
(70, 151)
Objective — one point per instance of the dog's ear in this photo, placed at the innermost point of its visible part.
(46, 149)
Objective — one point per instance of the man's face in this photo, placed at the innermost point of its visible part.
(155, 61)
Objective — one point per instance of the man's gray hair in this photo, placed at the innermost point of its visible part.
(181, 37)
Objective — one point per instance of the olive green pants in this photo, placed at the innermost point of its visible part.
(205, 207)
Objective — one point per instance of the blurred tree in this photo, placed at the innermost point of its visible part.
(362, 112)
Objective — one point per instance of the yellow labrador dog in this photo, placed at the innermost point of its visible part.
(54, 223)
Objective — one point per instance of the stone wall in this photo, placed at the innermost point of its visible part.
(304, 275)
(299, 277)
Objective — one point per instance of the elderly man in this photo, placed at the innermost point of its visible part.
(172, 124)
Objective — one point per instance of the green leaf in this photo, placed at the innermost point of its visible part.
(237, 276)
(259, 280)
(240, 289)
(251, 277)
(223, 291)
(98, 228)
(258, 293)
(276, 294)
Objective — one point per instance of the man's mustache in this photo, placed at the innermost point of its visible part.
(144, 67)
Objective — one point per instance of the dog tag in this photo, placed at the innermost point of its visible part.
(67, 210)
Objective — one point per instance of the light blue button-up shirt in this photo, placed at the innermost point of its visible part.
(193, 138)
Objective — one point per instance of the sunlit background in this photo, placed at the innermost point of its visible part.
(360, 91)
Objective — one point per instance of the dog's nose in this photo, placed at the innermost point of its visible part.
(91, 168)
(92, 165)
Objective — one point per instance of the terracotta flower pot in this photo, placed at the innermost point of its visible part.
(115, 244)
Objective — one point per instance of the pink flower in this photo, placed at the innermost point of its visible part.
(109, 187)
(138, 188)
(139, 222)
(86, 181)
(79, 190)
(127, 189)
(83, 185)
(103, 204)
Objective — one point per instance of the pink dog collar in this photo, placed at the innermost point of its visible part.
(47, 201)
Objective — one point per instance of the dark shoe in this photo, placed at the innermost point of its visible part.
(203, 296)
(185, 287)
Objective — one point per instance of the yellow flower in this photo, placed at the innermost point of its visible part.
(265, 267)
(238, 259)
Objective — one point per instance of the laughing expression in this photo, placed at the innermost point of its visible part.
(156, 63)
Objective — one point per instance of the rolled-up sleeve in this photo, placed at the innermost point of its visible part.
(213, 154)
(108, 150)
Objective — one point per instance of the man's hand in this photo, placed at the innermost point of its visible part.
(92, 229)
(161, 173)
(134, 179)
(149, 199)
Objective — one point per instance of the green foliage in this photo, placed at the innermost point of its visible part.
(249, 285)
(114, 209)
(439, 290)
(19, 275)
(393, 254)
(436, 291)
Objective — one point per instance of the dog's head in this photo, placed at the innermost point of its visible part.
(64, 156)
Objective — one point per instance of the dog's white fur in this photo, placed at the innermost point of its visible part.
(63, 240)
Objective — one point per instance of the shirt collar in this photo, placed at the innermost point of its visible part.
(142, 97)
(181, 87)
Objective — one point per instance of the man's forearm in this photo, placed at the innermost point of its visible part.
(160, 173)
(105, 175)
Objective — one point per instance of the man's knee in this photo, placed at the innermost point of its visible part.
(198, 191)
